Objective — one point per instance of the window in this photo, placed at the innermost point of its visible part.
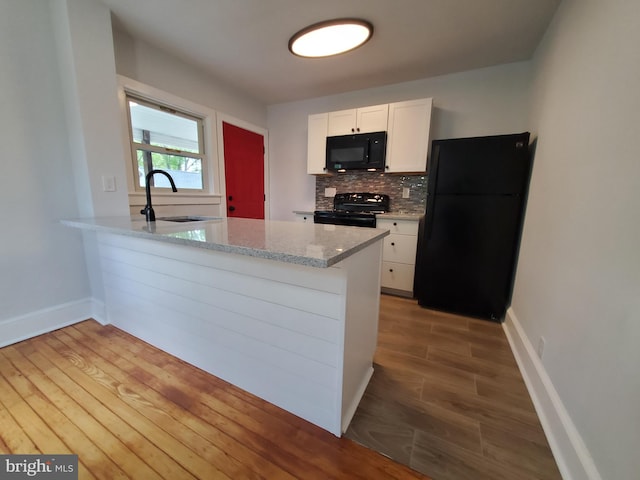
(166, 139)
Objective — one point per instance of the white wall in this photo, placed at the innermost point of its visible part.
(86, 65)
(138, 60)
(578, 279)
(481, 102)
(41, 262)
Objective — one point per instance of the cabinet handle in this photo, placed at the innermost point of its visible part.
(395, 224)
(353, 130)
(393, 244)
(391, 270)
(357, 129)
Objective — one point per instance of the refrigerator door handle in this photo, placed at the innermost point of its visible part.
(431, 203)
(431, 197)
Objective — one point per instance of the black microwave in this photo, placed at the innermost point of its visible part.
(362, 151)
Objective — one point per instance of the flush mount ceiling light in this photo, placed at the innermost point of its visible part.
(330, 37)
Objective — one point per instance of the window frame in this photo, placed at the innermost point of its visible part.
(136, 147)
(155, 98)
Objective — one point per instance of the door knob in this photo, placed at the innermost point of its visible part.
(232, 208)
(230, 198)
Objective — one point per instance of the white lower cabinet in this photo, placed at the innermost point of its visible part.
(398, 277)
(399, 255)
(304, 217)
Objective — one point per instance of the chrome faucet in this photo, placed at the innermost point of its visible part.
(147, 211)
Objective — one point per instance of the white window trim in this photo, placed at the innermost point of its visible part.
(212, 172)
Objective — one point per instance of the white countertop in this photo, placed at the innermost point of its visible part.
(388, 215)
(309, 244)
(399, 216)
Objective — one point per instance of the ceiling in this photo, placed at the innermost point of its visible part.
(244, 42)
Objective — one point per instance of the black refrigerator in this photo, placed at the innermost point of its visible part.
(469, 237)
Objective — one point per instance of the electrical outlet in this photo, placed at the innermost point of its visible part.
(541, 343)
(329, 192)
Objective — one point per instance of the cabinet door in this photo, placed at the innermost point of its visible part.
(408, 136)
(342, 122)
(403, 227)
(400, 248)
(361, 120)
(372, 119)
(317, 144)
(398, 276)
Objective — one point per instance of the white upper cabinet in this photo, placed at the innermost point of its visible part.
(317, 144)
(406, 123)
(358, 120)
(408, 136)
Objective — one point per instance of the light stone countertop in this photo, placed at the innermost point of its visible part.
(388, 215)
(399, 216)
(309, 244)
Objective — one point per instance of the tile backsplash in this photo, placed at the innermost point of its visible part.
(375, 182)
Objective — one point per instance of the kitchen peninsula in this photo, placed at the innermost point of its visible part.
(287, 311)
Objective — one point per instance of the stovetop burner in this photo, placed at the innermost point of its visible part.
(358, 209)
(361, 202)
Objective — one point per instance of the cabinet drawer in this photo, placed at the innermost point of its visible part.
(404, 227)
(398, 276)
(400, 248)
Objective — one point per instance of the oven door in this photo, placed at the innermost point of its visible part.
(340, 218)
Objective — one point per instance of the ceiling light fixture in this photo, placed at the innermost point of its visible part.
(330, 37)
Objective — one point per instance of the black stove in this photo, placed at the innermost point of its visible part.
(356, 209)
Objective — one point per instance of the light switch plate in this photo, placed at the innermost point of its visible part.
(405, 192)
(108, 183)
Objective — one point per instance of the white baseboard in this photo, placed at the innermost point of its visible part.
(20, 328)
(570, 452)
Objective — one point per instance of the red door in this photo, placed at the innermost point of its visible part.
(244, 171)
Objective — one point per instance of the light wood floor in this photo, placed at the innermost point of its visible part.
(131, 411)
(447, 399)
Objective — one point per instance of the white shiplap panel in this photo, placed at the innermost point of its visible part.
(361, 332)
(180, 330)
(313, 278)
(296, 343)
(165, 330)
(287, 294)
(311, 324)
(274, 329)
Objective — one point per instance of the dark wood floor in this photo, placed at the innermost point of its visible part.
(131, 411)
(447, 399)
